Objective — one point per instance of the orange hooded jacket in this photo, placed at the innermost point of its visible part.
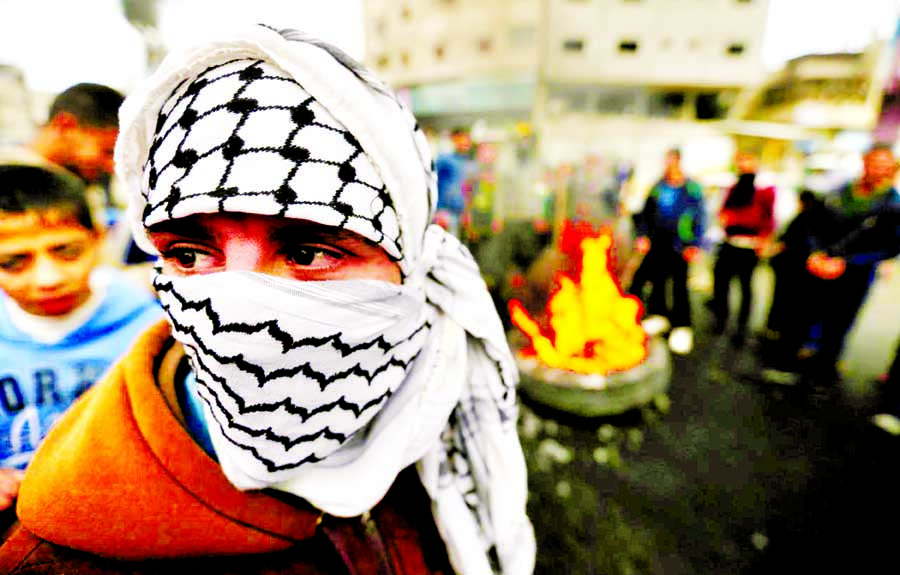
(119, 479)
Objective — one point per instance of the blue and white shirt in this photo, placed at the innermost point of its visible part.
(39, 381)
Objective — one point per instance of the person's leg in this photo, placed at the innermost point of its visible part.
(745, 264)
(783, 295)
(681, 340)
(660, 294)
(681, 304)
(722, 274)
(657, 273)
(850, 292)
(641, 277)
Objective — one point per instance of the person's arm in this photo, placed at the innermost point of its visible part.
(878, 239)
(694, 222)
(647, 214)
(645, 220)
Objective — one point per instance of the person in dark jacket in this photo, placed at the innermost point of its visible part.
(670, 232)
(331, 391)
(796, 300)
(868, 232)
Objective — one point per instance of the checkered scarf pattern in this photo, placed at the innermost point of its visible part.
(244, 137)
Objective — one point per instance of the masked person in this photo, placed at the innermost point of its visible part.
(332, 391)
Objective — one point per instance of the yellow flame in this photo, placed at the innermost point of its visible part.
(595, 327)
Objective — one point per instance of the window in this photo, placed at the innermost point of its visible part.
(404, 58)
(573, 45)
(382, 61)
(711, 106)
(628, 46)
(485, 44)
(665, 104)
(609, 100)
(439, 52)
(735, 49)
(774, 96)
(406, 13)
(694, 44)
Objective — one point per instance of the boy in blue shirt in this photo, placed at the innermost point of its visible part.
(62, 320)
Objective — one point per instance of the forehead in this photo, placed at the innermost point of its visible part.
(33, 231)
(236, 225)
(106, 134)
(31, 222)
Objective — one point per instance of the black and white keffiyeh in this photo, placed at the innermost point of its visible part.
(277, 123)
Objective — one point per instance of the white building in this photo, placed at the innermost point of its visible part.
(623, 79)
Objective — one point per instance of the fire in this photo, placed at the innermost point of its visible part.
(594, 326)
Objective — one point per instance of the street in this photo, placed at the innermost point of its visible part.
(728, 476)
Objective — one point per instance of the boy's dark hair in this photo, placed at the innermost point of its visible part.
(809, 200)
(674, 152)
(24, 188)
(93, 105)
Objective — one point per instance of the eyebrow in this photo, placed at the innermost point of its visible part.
(299, 232)
(306, 231)
(190, 229)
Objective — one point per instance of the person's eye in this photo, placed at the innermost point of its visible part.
(186, 258)
(312, 256)
(69, 252)
(14, 263)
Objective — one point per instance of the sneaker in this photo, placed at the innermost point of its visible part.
(887, 422)
(681, 340)
(655, 325)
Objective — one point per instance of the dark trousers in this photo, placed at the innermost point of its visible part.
(733, 261)
(664, 264)
(797, 302)
(845, 297)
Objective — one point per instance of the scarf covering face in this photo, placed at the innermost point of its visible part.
(363, 164)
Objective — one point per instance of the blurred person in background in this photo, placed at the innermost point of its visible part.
(670, 232)
(333, 391)
(796, 298)
(747, 218)
(455, 170)
(80, 132)
(868, 231)
(63, 320)
(79, 135)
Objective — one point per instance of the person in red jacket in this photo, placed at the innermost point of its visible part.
(332, 391)
(747, 218)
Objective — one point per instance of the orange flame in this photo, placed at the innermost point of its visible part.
(595, 326)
